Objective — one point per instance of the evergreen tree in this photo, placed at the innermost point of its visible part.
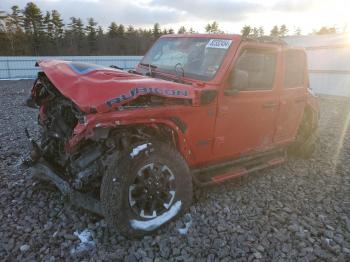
(297, 31)
(91, 35)
(33, 24)
(15, 20)
(255, 32)
(274, 31)
(48, 26)
(283, 31)
(80, 29)
(76, 35)
(181, 30)
(156, 30)
(261, 31)
(58, 25)
(246, 30)
(13, 28)
(130, 30)
(213, 28)
(326, 30)
(113, 30)
(49, 38)
(34, 33)
(121, 30)
(99, 31)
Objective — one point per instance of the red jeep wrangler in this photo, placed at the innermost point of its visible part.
(198, 109)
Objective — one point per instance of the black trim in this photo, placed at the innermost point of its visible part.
(182, 125)
(207, 96)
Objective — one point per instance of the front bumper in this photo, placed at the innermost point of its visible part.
(42, 170)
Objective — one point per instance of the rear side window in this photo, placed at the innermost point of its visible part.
(295, 65)
(259, 65)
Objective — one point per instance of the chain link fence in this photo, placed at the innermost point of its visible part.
(23, 67)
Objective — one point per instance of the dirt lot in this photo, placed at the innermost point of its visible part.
(298, 211)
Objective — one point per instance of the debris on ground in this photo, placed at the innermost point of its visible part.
(86, 243)
(188, 223)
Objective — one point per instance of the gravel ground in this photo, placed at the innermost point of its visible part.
(297, 211)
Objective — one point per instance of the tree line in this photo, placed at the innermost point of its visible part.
(29, 31)
(283, 31)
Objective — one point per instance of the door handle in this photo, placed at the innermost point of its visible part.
(270, 104)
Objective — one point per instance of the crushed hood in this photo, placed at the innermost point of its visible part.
(95, 88)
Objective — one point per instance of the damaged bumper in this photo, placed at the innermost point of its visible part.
(43, 171)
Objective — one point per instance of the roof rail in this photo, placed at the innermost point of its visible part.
(266, 39)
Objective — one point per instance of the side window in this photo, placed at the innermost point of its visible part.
(295, 65)
(259, 66)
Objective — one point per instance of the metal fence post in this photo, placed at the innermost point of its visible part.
(8, 68)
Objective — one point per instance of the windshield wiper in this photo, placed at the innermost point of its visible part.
(150, 67)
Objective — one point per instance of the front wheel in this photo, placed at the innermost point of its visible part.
(145, 188)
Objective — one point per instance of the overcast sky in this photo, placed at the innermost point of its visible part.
(230, 14)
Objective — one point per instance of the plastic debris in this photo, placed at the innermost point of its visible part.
(86, 243)
(138, 149)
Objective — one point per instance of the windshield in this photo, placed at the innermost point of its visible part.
(200, 58)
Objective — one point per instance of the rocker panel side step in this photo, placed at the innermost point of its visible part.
(239, 161)
(233, 174)
(238, 170)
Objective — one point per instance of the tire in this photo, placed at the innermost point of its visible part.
(308, 148)
(305, 143)
(152, 177)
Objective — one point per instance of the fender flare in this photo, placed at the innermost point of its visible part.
(85, 131)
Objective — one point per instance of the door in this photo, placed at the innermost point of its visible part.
(246, 120)
(293, 95)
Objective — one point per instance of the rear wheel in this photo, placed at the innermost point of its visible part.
(145, 188)
(305, 143)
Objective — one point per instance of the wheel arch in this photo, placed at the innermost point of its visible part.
(176, 130)
(311, 116)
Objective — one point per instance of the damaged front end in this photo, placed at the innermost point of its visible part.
(78, 170)
(76, 174)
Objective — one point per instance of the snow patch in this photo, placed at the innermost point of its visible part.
(138, 149)
(84, 236)
(86, 242)
(188, 224)
(158, 221)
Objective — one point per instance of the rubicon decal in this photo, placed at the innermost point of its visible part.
(147, 90)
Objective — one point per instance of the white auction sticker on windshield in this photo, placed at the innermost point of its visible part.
(219, 43)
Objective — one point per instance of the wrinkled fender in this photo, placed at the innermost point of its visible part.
(87, 130)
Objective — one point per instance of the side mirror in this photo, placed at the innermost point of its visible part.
(239, 81)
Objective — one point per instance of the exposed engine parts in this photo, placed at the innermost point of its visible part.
(84, 167)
